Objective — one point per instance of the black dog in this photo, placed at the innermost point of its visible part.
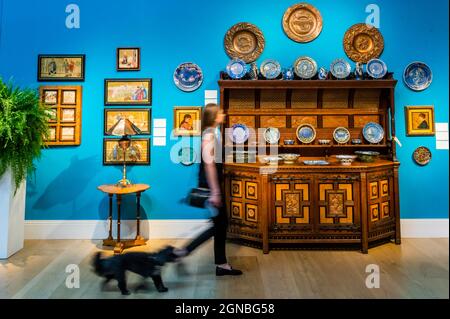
(144, 264)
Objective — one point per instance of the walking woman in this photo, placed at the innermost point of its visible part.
(211, 176)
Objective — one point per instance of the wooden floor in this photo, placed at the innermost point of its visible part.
(419, 268)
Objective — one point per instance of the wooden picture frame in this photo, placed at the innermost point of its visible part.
(128, 59)
(187, 121)
(112, 153)
(128, 91)
(61, 67)
(139, 117)
(419, 120)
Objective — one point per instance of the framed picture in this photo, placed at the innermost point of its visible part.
(52, 134)
(53, 112)
(128, 59)
(186, 121)
(67, 133)
(50, 97)
(68, 115)
(139, 117)
(61, 67)
(137, 154)
(419, 120)
(69, 97)
(128, 91)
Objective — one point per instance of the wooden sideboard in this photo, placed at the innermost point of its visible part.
(294, 204)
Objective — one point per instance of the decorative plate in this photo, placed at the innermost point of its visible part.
(373, 132)
(376, 68)
(237, 68)
(244, 41)
(422, 155)
(417, 76)
(305, 67)
(272, 135)
(188, 77)
(340, 68)
(187, 156)
(239, 133)
(270, 69)
(341, 135)
(306, 133)
(302, 22)
(316, 162)
(363, 42)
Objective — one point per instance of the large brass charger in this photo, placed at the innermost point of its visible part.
(363, 42)
(244, 41)
(302, 22)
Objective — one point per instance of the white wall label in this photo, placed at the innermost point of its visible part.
(441, 136)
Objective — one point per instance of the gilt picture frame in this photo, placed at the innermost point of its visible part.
(187, 120)
(419, 120)
(137, 154)
(139, 117)
(61, 67)
(128, 92)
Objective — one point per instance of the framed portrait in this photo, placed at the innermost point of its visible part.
(50, 97)
(128, 91)
(186, 121)
(137, 154)
(61, 67)
(67, 133)
(69, 97)
(68, 115)
(128, 59)
(141, 118)
(419, 120)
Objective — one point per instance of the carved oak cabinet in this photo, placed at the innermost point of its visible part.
(294, 204)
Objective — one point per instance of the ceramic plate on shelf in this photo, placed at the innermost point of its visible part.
(239, 133)
(188, 77)
(272, 135)
(237, 68)
(422, 155)
(376, 68)
(306, 133)
(373, 132)
(316, 162)
(323, 73)
(305, 67)
(270, 69)
(341, 135)
(340, 68)
(417, 76)
(187, 156)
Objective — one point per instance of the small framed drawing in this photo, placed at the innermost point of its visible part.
(128, 59)
(419, 120)
(51, 134)
(50, 97)
(53, 114)
(128, 91)
(67, 133)
(141, 118)
(186, 121)
(69, 97)
(68, 115)
(137, 154)
(61, 67)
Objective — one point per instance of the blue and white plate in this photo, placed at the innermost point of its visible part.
(340, 68)
(316, 162)
(323, 73)
(373, 132)
(188, 77)
(305, 67)
(239, 133)
(376, 68)
(341, 135)
(306, 133)
(272, 135)
(237, 68)
(417, 76)
(270, 69)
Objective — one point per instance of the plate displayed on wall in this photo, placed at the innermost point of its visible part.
(363, 42)
(306, 133)
(237, 68)
(376, 68)
(340, 68)
(244, 41)
(239, 133)
(187, 156)
(305, 67)
(422, 155)
(270, 69)
(417, 76)
(272, 135)
(302, 22)
(188, 77)
(373, 132)
(341, 135)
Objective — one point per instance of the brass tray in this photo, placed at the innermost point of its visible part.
(244, 41)
(363, 42)
(302, 22)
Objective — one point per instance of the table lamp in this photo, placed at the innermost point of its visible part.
(124, 127)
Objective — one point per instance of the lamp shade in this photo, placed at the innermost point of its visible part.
(123, 127)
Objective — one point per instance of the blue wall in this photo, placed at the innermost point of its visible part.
(171, 32)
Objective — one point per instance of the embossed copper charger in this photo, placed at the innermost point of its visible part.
(302, 22)
(244, 41)
(363, 42)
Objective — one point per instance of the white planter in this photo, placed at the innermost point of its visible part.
(12, 215)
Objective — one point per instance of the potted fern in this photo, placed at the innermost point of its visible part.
(23, 128)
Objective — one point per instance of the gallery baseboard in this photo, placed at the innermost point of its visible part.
(188, 228)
